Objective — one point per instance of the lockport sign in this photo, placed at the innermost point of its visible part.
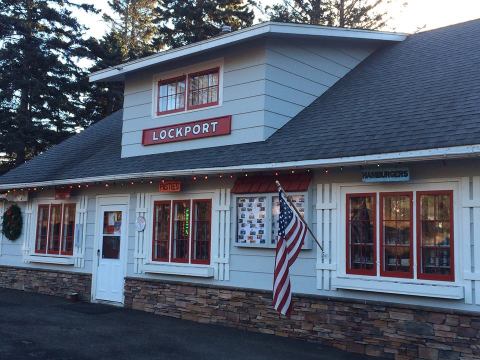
(188, 131)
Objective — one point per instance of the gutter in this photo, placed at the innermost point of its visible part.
(414, 156)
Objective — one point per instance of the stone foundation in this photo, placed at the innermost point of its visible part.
(379, 329)
(49, 282)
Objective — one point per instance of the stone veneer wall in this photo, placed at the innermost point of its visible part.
(373, 328)
(50, 282)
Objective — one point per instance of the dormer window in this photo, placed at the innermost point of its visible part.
(189, 91)
(171, 95)
(203, 89)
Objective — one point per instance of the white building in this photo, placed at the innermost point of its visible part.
(170, 205)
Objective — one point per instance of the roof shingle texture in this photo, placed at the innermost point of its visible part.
(422, 93)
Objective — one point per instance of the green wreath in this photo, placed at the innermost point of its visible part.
(12, 222)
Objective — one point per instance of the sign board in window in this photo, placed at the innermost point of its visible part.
(381, 175)
(188, 131)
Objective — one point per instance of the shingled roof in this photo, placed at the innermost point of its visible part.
(422, 93)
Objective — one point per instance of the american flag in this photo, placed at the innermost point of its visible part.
(291, 235)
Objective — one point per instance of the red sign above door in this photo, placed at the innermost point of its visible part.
(188, 131)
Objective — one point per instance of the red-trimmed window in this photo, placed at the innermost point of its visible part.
(55, 229)
(42, 229)
(182, 231)
(435, 255)
(203, 88)
(396, 234)
(361, 234)
(68, 229)
(161, 230)
(201, 231)
(171, 95)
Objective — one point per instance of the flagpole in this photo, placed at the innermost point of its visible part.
(279, 186)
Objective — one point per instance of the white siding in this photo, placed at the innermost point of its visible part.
(265, 84)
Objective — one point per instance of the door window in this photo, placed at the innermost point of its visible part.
(112, 230)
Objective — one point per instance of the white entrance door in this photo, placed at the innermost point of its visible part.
(111, 253)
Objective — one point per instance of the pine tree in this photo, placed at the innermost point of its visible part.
(130, 37)
(360, 14)
(133, 26)
(39, 77)
(185, 22)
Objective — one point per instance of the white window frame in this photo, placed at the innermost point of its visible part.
(216, 63)
(268, 219)
(406, 286)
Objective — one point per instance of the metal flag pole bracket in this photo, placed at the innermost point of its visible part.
(292, 205)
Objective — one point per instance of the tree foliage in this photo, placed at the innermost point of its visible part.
(131, 35)
(360, 14)
(39, 77)
(185, 22)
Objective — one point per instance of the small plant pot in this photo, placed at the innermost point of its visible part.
(73, 297)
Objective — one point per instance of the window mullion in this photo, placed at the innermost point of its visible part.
(60, 243)
(379, 227)
(48, 228)
(170, 237)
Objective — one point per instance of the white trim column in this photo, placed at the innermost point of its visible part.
(81, 233)
(29, 232)
(139, 254)
(221, 224)
(470, 230)
(326, 208)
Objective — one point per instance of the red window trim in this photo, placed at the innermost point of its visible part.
(199, 73)
(349, 270)
(396, 274)
(49, 209)
(74, 206)
(420, 275)
(204, 262)
(155, 203)
(48, 225)
(187, 259)
(168, 81)
(52, 252)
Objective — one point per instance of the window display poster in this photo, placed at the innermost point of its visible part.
(297, 200)
(251, 213)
